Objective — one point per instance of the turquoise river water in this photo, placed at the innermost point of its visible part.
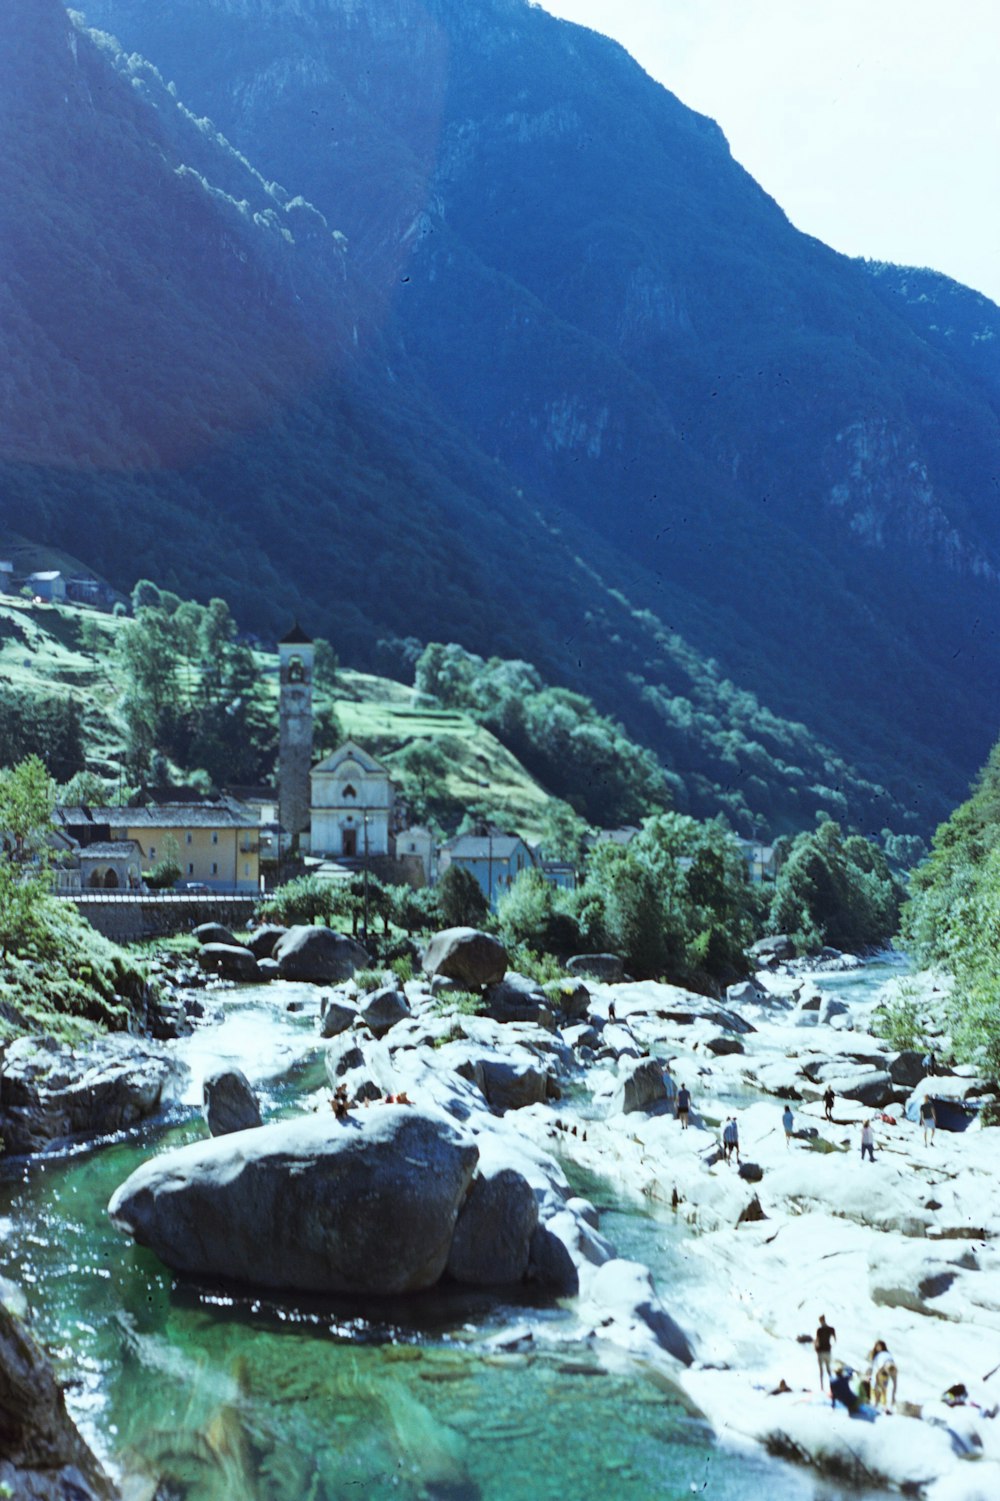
(225, 1396)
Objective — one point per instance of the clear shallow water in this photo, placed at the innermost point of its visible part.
(235, 1398)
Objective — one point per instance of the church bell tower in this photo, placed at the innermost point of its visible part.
(295, 742)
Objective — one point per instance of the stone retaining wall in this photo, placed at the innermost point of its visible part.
(127, 919)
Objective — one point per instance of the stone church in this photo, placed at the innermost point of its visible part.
(352, 805)
(344, 806)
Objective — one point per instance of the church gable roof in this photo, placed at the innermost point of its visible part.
(349, 752)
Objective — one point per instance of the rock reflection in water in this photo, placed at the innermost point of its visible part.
(281, 1431)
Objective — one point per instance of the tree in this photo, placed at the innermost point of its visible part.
(302, 900)
(27, 800)
(415, 908)
(424, 767)
(326, 664)
(461, 898)
(564, 832)
(535, 913)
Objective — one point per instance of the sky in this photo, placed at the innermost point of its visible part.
(874, 123)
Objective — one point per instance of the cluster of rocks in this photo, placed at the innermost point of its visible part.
(318, 955)
(42, 1455)
(427, 1178)
(52, 1093)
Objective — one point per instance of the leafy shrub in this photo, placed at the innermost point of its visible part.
(368, 980)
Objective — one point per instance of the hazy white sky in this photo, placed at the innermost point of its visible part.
(874, 123)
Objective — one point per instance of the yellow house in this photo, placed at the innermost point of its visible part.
(216, 843)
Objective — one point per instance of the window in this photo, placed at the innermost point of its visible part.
(215, 868)
(189, 837)
(246, 867)
(349, 791)
(215, 836)
(152, 850)
(190, 870)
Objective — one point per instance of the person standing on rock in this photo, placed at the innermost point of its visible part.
(823, 1343)
(788, 1121)
(867, 1141)
(683, 1106)
(928, 1118)
(731, 1138)
(828, 1100)
(882, 1374)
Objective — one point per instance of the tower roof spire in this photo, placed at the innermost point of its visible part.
(296, 637)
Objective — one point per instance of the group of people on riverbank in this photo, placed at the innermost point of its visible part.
(881, 1372)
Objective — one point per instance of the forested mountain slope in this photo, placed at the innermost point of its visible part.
(542, 370)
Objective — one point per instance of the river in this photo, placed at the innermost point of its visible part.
(234, 1397)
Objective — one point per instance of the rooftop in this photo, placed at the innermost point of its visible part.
(296, 637)
(481, 847)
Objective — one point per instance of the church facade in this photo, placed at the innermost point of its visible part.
(351, 805)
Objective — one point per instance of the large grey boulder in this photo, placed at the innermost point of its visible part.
(214, 932)
(723, 1044)
(42, 1456)
(363, 1205)
(262, 940)
(873, 1088)
(343, 1054)
(230, 960)
(318, 955)
(571, 1000)
(907, 1068)
(640, 1085)
(493, 1233)
(745, 993)
(517, 999)
(776, 948)
(623, 1291)
(608, 969)
(830, 1007)
(466, 954)
(512, 1085)
(337, 1016)
(382, 1009)
(229, 1102)
(52, 1092)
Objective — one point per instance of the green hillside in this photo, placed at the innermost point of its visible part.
(67, 653)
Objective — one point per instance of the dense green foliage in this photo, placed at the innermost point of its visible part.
(192, 690)
(837, 891)
(46, 727)
(578, 754)
(636, 439)
(461, 900)
(952, 917)
(57, 974)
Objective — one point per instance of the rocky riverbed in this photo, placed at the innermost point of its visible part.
(551, 1089)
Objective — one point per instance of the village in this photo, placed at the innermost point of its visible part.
(331, 818)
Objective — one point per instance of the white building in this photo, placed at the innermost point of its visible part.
(351, 805)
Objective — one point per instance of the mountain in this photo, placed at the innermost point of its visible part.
(517, 356)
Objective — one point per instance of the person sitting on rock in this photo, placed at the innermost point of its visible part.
(842, 1391)
(882, 1373)
(683, 1106)
(828, 1100)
